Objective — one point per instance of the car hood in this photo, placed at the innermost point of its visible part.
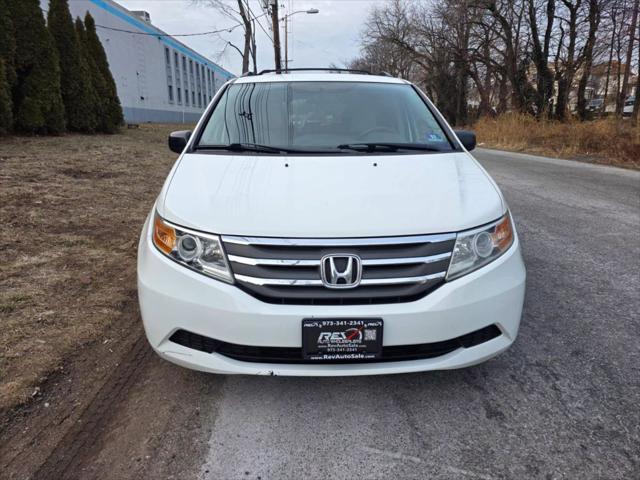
(330, 196)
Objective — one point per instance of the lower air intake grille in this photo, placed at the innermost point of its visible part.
(396, 353)
(385, 269)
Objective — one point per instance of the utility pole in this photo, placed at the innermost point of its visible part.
(276, 34)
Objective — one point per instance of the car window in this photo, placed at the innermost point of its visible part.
(322, 115)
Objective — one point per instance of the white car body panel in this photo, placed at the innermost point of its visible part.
(330, 196)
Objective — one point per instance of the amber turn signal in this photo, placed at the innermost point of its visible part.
(164, 237)
(503, 235)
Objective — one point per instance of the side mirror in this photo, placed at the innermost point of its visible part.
(178, 140)
(467, 138)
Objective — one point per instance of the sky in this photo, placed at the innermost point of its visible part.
(328, 37)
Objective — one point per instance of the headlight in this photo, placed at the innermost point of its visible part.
(198, 251)
(476, 248)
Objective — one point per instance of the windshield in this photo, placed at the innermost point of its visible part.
(325, 117)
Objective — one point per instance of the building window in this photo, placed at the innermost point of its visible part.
(209, 84)
(204, 83)
(198, 85)
(176, 67)
(185, 80)
(205, 86)
(169, 70)
(193, 84)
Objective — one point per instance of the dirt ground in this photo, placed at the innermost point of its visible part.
(72, 208)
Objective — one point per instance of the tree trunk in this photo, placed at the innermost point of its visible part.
(544, 82)
(613, 41)
(594, 21)
(566, 78)
(275, 25)
(503, 93)
(462, 66)
(484, 91)
(625, 81)
(254, 48)
(636, 105)
(518, 96)
(246, 21)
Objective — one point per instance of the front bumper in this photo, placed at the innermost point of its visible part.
(173, 298)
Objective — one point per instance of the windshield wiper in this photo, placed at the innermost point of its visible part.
(388, 146)
(244, 147)
(254, 147)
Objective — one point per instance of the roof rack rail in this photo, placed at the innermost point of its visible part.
(322, 69)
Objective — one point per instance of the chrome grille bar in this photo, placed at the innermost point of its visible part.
(405, 261)
(338, 242)
(367, 262)
(297, 282)
(402, 280)
(273, 262)
(286, 282)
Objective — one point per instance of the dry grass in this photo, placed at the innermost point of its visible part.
(608, 141)
(71, 208)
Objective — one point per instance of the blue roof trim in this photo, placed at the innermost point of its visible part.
(167, 40)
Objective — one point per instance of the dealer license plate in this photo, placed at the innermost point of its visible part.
(342, 339)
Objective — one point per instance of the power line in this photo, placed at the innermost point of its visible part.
(257, 18)
(159, 34)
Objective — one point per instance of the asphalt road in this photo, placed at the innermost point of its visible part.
(563, 402)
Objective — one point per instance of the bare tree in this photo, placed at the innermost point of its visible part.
(594, 21)
(613, 15)
(477, 57)
(636, 104)
(565, 75)
(622, 94)
(510, 27)
(540, 53)
(240, 13)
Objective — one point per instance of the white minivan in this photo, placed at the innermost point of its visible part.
(328, 223)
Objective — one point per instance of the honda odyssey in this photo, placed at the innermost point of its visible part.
(328, 223)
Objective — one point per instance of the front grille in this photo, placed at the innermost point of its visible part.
(287, 271)
(396, 353)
